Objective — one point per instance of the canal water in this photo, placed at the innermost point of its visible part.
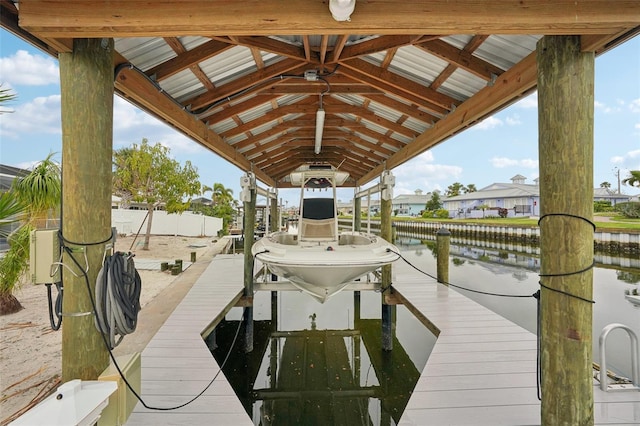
(516, 272)
(320, 364)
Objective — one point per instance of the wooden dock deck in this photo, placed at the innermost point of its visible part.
(177, 364)
(482, 370)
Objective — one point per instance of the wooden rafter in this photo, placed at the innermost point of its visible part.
(89, 19)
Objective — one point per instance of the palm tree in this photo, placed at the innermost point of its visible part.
(6, 95)
(221, 195)
(10, 212)
(633, 179)
(37, 194)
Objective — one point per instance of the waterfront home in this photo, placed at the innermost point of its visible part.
(518, 197)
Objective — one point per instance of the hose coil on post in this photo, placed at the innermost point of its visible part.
(118, 288)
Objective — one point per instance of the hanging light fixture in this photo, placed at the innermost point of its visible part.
(319, 127)
(341, 10)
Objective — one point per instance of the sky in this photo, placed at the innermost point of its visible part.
(500, 147)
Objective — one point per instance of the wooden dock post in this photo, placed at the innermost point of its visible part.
(388, 311)
(249, 194)
(565, 105)
(86, 84)
(443, 238)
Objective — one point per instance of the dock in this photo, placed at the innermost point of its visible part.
(482, 370)
(177, 364)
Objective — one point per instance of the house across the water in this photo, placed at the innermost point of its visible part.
(517, 197)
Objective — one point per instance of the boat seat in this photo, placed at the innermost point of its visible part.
(318, 229)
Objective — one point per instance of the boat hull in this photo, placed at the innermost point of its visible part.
(323, 268)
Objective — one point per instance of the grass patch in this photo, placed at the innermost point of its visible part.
(617, 223)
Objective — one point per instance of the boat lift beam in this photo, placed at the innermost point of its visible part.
(271, 194)
(385, 187)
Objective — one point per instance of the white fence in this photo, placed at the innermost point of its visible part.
(186, 224)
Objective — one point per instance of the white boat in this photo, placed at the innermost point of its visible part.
(319, 260)
(633, 296)
(635, 300)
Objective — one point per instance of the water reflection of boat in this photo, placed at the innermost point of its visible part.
(318, 259)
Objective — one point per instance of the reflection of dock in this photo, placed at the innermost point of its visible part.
(480, 372)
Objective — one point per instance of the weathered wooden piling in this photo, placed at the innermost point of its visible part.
(86, 84)
(388, 311)
(565, 112)
(249, 234)
(443, 239)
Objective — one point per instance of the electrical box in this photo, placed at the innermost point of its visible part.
(122, 401)
(44, 251)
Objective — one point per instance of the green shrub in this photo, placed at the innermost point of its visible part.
(630, 209)
(442, 214)
(602, 206)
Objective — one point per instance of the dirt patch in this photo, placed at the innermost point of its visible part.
(30, 351)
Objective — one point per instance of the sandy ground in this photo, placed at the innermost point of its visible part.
(30, 351)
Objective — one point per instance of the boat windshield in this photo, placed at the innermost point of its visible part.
(318, 208)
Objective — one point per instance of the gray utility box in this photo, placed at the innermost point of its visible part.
(44, 254)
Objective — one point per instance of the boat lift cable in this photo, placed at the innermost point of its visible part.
(106, 342)
(536, 295)
(457, 286)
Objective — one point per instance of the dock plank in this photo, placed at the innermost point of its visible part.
(482, 370)
(177, 365)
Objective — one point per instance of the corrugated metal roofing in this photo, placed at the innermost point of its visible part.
(409, 63)
(390, 84)
(412, 63)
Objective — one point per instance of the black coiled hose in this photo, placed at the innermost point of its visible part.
(118, 289)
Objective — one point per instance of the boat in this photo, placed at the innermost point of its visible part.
(318, 259)
(633, 296)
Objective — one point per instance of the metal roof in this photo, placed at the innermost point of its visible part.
(389, 87)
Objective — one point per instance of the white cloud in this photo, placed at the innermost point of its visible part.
(503, 162)
(529, 163)
(488, 123)
(41, 115)
(530, 101)
(629, 160)
(513, 120)
(27, 69)
(131, 125)
(634, 105)
(422, 173)
(600, 106)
